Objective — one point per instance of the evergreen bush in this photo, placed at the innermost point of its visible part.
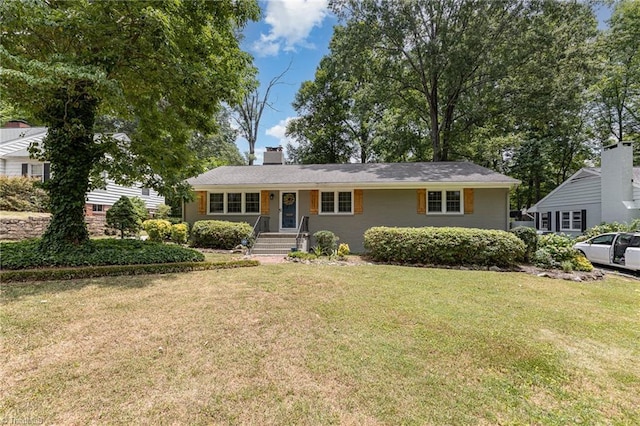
(159, 230)
(220, 234)
(180, 233)
(326, 241)
(26, 254)
(444, 246)
(529, 237)
(125, 217)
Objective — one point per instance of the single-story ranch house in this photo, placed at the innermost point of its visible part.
(15, 161)
(348, 199)
(610, 193)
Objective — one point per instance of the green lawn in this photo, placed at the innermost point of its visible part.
(315, 344)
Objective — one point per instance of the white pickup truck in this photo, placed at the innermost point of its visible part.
(619, 249)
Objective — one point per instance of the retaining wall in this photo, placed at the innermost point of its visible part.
(34, 226)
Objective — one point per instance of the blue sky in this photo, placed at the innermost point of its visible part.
(296, 31)
(290, 31)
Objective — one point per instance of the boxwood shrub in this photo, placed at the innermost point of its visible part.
(219, 234)
(26, 254)
(443, 246)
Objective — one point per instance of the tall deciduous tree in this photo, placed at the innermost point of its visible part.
(434, 55)
(169, 64)
(248, 112)
(618, 90)
(340, 111)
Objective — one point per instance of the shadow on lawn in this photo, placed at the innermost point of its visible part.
(124, 282)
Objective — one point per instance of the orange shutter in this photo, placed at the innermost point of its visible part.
(422, 201)
(313, 203)
(202, 202)
(264, 202)
(468, 200)
(357, 207)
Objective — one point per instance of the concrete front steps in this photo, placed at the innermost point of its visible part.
(273, 243)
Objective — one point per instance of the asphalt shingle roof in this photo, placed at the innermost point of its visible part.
(372, 173)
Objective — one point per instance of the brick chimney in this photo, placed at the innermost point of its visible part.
(617, 182)
(273, 155)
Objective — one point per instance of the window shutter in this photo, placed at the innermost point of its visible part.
(202, 202)
(357, 205)
(468, 200)
(583, 216)
(313, 209)
(25, 169)
(549, 221)
(264, 202)
(557, 221)
(422, 201)
(47, 172)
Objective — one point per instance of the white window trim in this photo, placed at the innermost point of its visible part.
(335, 211)
(225, 201)
(571, 222)
(443, 210)
(541, 226)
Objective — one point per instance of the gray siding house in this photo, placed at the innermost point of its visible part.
(593, 195)
(15, 161)
(348, 199)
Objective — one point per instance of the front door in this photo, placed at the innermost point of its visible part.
(289, 210)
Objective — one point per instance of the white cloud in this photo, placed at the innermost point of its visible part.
(278, 131)
(291, 23)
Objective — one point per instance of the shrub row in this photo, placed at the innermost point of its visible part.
(27, 254)
(218, 234)
(117, 270)
(444, 246)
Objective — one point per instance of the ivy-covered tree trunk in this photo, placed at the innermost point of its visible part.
(71, 149)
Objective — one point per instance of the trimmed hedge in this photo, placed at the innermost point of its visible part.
(443, 246)
(118, 270)
(26, 254)
(219, 234)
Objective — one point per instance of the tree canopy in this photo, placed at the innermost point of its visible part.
(511, 85)
(166, 64)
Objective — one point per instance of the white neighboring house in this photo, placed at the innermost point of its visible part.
(593, 195)
(15, 161)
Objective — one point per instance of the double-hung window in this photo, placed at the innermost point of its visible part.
(234, 202)
(336, 202)
(571, 221)
(37, 171)
(444, 202)
(544, 221)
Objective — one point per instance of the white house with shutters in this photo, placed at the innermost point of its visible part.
(593, 195)
(15, 161)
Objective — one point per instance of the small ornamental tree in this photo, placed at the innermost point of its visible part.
(124, 216)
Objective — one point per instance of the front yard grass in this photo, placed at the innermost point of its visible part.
(319, 344)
